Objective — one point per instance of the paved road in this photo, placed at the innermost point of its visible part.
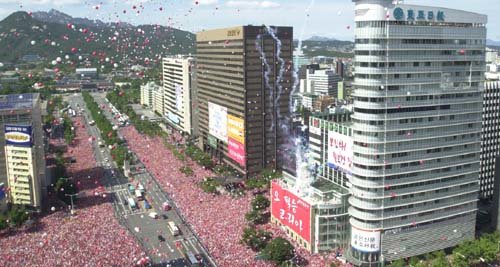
(166, 253)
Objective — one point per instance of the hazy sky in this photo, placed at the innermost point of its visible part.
(329, 18)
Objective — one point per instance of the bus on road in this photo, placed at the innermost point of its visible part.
(131, 203)
(173, 228)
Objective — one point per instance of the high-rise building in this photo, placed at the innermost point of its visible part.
(419, 73)
(244, 81)
(158, 104)
(178, 92)
(490, 138)
(22, 159)
(323, 82)
(340, 68)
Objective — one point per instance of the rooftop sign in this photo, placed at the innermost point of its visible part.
(418, 15)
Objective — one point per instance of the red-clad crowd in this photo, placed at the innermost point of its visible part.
(218, 220)
(91, 237)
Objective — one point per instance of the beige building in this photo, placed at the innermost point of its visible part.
(178, 93)
(243, 91)
(147, 93)
(22, 160)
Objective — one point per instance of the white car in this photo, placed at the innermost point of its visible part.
(153, 215)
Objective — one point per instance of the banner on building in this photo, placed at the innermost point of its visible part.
(236, 128)
(291, 211)
(178, 97)
(314, 127)
(18, 135)
(236, 151)
(366, 241)
(2, 191)
(340, 151)
(217, 121)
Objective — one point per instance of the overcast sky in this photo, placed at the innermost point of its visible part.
(329, 18)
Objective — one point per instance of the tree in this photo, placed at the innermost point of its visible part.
(279, 250)
(256, 240)
(439, 259)
(260, 203)
(398, 263)
(255, 217)
(18, 215)
(3, 223)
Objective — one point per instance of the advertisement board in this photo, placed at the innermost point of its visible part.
(236, 151)
(340, 151)
(178, 97)
(366, 241)
(314, 127)
(217, 121)
(18, 135)
(236, 128)
(291, 211)
(212, 141)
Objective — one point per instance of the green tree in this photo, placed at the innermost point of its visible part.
(260, 202)
(255, 217)
(3, 223)
(439, 259)
(256, 240)
(279, 250)
(398, 263)
(18, 215)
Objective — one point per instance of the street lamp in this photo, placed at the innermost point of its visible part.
(71, 197)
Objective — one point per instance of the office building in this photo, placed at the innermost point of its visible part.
(86, 73)
(419, 74)
(490, 138)
(491, 55)
(22, 159)
(158, 100)
(244, 91)
(340, 68)
(323, 82)
(178, 92)
(147, 93)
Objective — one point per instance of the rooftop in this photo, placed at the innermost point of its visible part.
(17, 101)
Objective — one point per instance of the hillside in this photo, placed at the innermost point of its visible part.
(22, 34)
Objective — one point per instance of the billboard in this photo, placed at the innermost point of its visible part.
(366, 241)
(314, 126)
(236, 128)
(236, 151)
(340, 151)
(291, 211)
(18, 135)
(217, 121)
(178, 97)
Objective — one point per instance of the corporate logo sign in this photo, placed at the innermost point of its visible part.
(420, 15)
(18, 135)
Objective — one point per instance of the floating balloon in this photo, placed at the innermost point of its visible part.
(33, 42)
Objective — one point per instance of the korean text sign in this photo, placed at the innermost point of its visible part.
(291, 211)
(340, 151)
(18, 135)
(366, 241)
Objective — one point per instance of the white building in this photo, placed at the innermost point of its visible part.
(86, 73)
(491, 55)
(178, 93)
(419, 76)
(323, 82)
(147, 93)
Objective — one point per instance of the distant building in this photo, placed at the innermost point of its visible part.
(490, 138)
(86, 73)
(299, 59)
(31, 58)
(22, 159)
(340, 68)
(322, 103)
(158, 104)
(308, 100)
(323, 82)
(491, 55)
(178, 93)
(147, 93)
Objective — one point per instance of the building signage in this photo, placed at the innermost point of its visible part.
(340, 151)
(217, 121)
(291, 210)
(178, 97)
(236, 151)
(233, 33)
(18, 135)
(366, 241)
(173, 118)
(412, 15)
(212, 141)
(314, 126)
(236, 128)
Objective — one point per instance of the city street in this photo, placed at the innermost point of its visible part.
(166, 252)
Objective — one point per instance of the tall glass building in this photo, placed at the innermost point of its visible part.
(416, 127)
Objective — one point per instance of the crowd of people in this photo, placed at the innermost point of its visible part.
(90, 237)
(218, 220)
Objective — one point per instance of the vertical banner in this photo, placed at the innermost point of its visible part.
(217, 121)
(291, 211)
(178, 97)
(236, 151)
(236, 128)
(340, 151)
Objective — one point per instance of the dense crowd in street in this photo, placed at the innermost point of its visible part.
(218, 220)
(91, 237)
